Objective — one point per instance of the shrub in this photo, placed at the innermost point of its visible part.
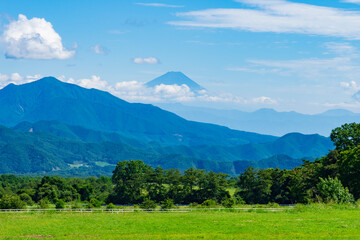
(11, 202)
(332, 190)
(43, 204)
(59, 204)
(194, 205)
(167, 204)
(228, 202)
(272, 205)
(148, 204)
(76, 205)
(209, 203)
(110, 206)
(240, 201)
(94, 203)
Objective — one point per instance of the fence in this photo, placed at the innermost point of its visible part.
(117, 211)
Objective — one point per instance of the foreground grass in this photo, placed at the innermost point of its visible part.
(320, 222)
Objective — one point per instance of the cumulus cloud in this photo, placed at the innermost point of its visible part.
(33, 39)
(92, 82)
(98, 49)
(159, 5)
(149, 60)
(16, 78)
(278, 16)
(134, 91)
(265, 100)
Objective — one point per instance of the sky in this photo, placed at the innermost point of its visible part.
(299, 56)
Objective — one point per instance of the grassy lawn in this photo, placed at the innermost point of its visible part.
(304, 223)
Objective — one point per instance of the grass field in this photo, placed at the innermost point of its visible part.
(307, 222)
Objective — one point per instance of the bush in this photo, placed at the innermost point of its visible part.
(110, 206)
(167, 204)
(27, 199)
(194, 205)
(43, 204)
(94, 203)
(272, 205)
(240, 201)
(11, 202)
(148, 204)
(210, 203)
(228, 202)
(76, 205)
(59, 204)
(332, 190)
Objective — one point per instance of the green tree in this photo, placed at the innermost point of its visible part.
(332, 190)
(255, 185)
(26, 198)
(11, 202)
(346, 137)
(349, 170)
(130, 181)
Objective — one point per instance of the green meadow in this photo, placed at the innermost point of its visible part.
(302, 222)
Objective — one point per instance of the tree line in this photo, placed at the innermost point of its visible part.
(332, 178)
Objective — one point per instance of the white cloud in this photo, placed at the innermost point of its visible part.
(3, 78)
(99, 49)
(134, 91)
(352, 85)
(278, 16)
(159, 5)
(92, 82)
(149, 60)
(17, 79)
(264, 100)
(343, 65)
(34, 39)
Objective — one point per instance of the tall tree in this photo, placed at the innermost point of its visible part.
(130, 181)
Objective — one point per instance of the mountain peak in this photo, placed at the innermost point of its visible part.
(178, 78)
(48, 80)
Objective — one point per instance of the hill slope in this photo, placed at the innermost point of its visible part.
(43, 153)
(50, 99)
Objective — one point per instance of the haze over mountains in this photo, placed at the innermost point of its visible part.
(57, 127)
(266, 121)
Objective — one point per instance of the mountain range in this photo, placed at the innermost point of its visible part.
(54, 127)
(266, 121)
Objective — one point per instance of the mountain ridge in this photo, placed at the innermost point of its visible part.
(178, 78)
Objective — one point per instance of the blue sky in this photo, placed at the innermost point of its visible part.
(248, 54)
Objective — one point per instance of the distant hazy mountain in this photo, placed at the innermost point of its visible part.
(50, 99)
(172, 78)
(267, 121)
